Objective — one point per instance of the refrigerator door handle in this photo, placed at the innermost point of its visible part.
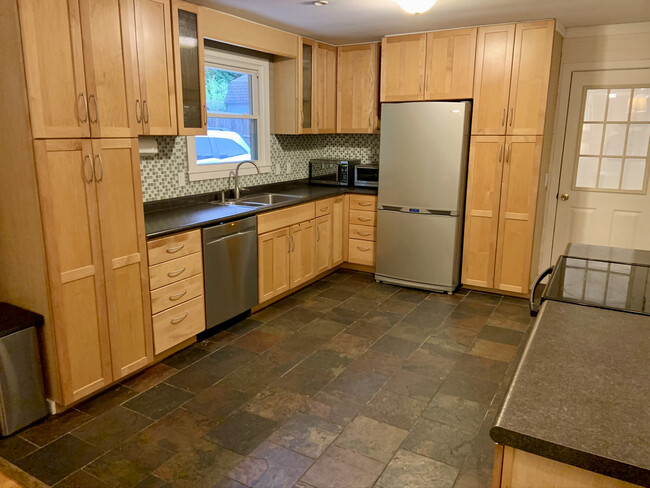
(392, 208)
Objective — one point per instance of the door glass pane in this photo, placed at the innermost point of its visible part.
(595, 104)
(587, 175)
(307, 60)
(189, 56)
(619, 104)
(228, 92)
(637, 140)
(640, 109)
(633, 174)
(610, 173)
(592, 135)
(614, 139)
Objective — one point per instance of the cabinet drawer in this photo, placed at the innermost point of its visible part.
(178, 323)
(323, 207)
(363, 202)
(172, 247)
(363, 232)
(176, 293)
(361, 252)
(361, 217)
(175, 270)
(286, 217)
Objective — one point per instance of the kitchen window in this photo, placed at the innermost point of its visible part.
(237, 103)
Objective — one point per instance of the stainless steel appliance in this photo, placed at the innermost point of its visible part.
(229, 269)
(422, 176)
(366, 175)
(332, 171)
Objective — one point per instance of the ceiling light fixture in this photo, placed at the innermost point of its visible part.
(321, 3)
(415, 6)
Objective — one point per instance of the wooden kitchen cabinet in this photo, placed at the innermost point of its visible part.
(450, 64)
(302, 255)
(358, 88)
(402, 67)
(339, 223)
(325, 88)
(273, 250)
(323, 243)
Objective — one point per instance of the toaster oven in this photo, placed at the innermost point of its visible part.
(366, 175)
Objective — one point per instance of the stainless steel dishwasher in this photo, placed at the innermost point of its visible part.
(229, 269)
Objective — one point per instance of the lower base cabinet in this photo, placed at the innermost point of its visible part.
(362, 229)
(273, 263)
(323, 243)
(302, 255)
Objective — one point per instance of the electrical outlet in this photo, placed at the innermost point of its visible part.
(181, 179)
(288, 168)
(277, 169)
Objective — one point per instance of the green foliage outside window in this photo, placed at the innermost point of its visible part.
(216, 87)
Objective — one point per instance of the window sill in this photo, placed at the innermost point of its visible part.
(225, 171)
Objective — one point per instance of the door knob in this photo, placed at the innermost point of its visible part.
(564, 196)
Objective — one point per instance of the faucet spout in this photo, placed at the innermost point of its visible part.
(237, 188)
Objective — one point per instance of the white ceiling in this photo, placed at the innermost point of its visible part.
(350, 21)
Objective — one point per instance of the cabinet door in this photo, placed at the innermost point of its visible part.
(54, 68)
(450, 64)
(119, 195)
(492, 79)
(273, 263)
(338, 230)
(109, 75)
(190, 69)
(531, 69)
(323, 227)
(402, 67)
(357, 88)
(325, 88)
(486, 155)
(307, 86)
(302, 257)
(74, 260)
(517, 213)
(156, 66)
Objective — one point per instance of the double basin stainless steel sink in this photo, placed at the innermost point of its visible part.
(261, 200)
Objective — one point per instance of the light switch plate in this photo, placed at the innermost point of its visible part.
(181, 179)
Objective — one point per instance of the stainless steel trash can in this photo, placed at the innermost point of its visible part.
(22, 396)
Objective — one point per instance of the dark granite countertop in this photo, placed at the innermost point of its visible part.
(580, 392)
(605, 253)
(169, 216)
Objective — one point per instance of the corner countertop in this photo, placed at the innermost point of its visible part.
(191, 212)
(579, 395)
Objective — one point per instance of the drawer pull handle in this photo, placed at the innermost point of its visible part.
(174, 274)
(338, 201)
(364, 219)
(365, 204)
(364, 234)
(178, 320)
(363, 249)
(323, 209)
(172, 250)
(173, 298)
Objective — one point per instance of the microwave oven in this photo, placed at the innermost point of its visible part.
(366, 175)
(332, 171)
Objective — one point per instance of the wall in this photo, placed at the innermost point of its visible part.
(606, 47)
(160, 173)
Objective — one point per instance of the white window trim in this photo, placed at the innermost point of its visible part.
(257, 67)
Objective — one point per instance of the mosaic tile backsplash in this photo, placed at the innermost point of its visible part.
(160, 172)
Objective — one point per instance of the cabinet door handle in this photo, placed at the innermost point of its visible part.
(507, 153)
(370, 121)
(83, 119)
(364, 219)
(500, 152)
(317, 234)
(93, 97)
(338, 201)
(98, 158)
(363, 249)
(173, 298)
(88, 158)
(323, 209)
(138, 111)
(172, 250)
(288, 245)
(503, 117)
(145, 110)
(364, 234)
(205, 116)
(365, 204)
(174, 274)
(512, 113)
(178, 320)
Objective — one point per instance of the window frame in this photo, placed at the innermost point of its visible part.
(259, 69)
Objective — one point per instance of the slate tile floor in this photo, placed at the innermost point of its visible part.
(347, 383)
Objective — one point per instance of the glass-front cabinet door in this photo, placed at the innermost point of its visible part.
(190, 78)
(307, 105)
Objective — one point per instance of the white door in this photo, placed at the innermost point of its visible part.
(603, 195)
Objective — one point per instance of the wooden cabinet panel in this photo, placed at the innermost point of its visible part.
(482, 209)
(531, 68)
(302, 266)
(119, 195)
(361, 252)
(176, 293)
(273, 251)
(517, 213)
(175, 270)
(363, 232)
(323, 258)
(450, 64)
(325, 88)
(339, 224)
(74, 260)
(492, 79)
(323, 207)
(402, 67)
(175, 246)
(285, 217)
(178, 323)
(156, 66)
(362, 217)
(108, 66)
(54, 68)
(363, 202)
(357, 88)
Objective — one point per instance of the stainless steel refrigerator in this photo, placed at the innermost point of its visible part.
(422, 177)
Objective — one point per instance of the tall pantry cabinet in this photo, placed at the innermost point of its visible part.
(69, 82)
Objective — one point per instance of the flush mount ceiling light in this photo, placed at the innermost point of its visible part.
(321, 3)
(415, 6)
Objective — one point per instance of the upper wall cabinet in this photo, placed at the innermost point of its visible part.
(190, 68)
(402, 67)
(317, 87)
(77, 91)
(358, 88)
(450, 64)
(512, 77)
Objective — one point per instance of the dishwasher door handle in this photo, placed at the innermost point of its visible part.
(221, 239)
